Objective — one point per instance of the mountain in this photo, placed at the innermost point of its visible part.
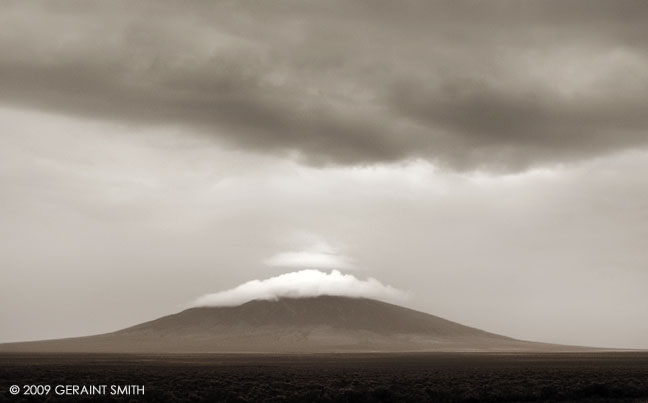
(306, 325)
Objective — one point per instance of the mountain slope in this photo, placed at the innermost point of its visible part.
(319, 324)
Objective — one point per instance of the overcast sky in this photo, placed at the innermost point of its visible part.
(489, 160)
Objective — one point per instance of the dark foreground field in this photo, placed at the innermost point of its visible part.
(345, 378)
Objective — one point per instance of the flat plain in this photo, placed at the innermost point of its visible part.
(416, 377)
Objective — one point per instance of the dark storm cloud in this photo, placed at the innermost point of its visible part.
(467, 84)
(530, 126)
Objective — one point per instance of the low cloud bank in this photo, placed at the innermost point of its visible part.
(299, 284)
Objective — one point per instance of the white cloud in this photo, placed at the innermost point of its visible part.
(304, 259)
(300, 284)
(314, 253)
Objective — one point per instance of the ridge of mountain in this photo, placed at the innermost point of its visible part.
(293, 325)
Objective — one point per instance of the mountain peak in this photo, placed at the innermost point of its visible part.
(307, 325)
(339, 312)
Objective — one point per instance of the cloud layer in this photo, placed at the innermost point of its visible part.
(300, 284)
(315, 253)
(502, 84)
(310, 259)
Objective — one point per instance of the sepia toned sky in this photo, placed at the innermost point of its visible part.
(486, 159)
